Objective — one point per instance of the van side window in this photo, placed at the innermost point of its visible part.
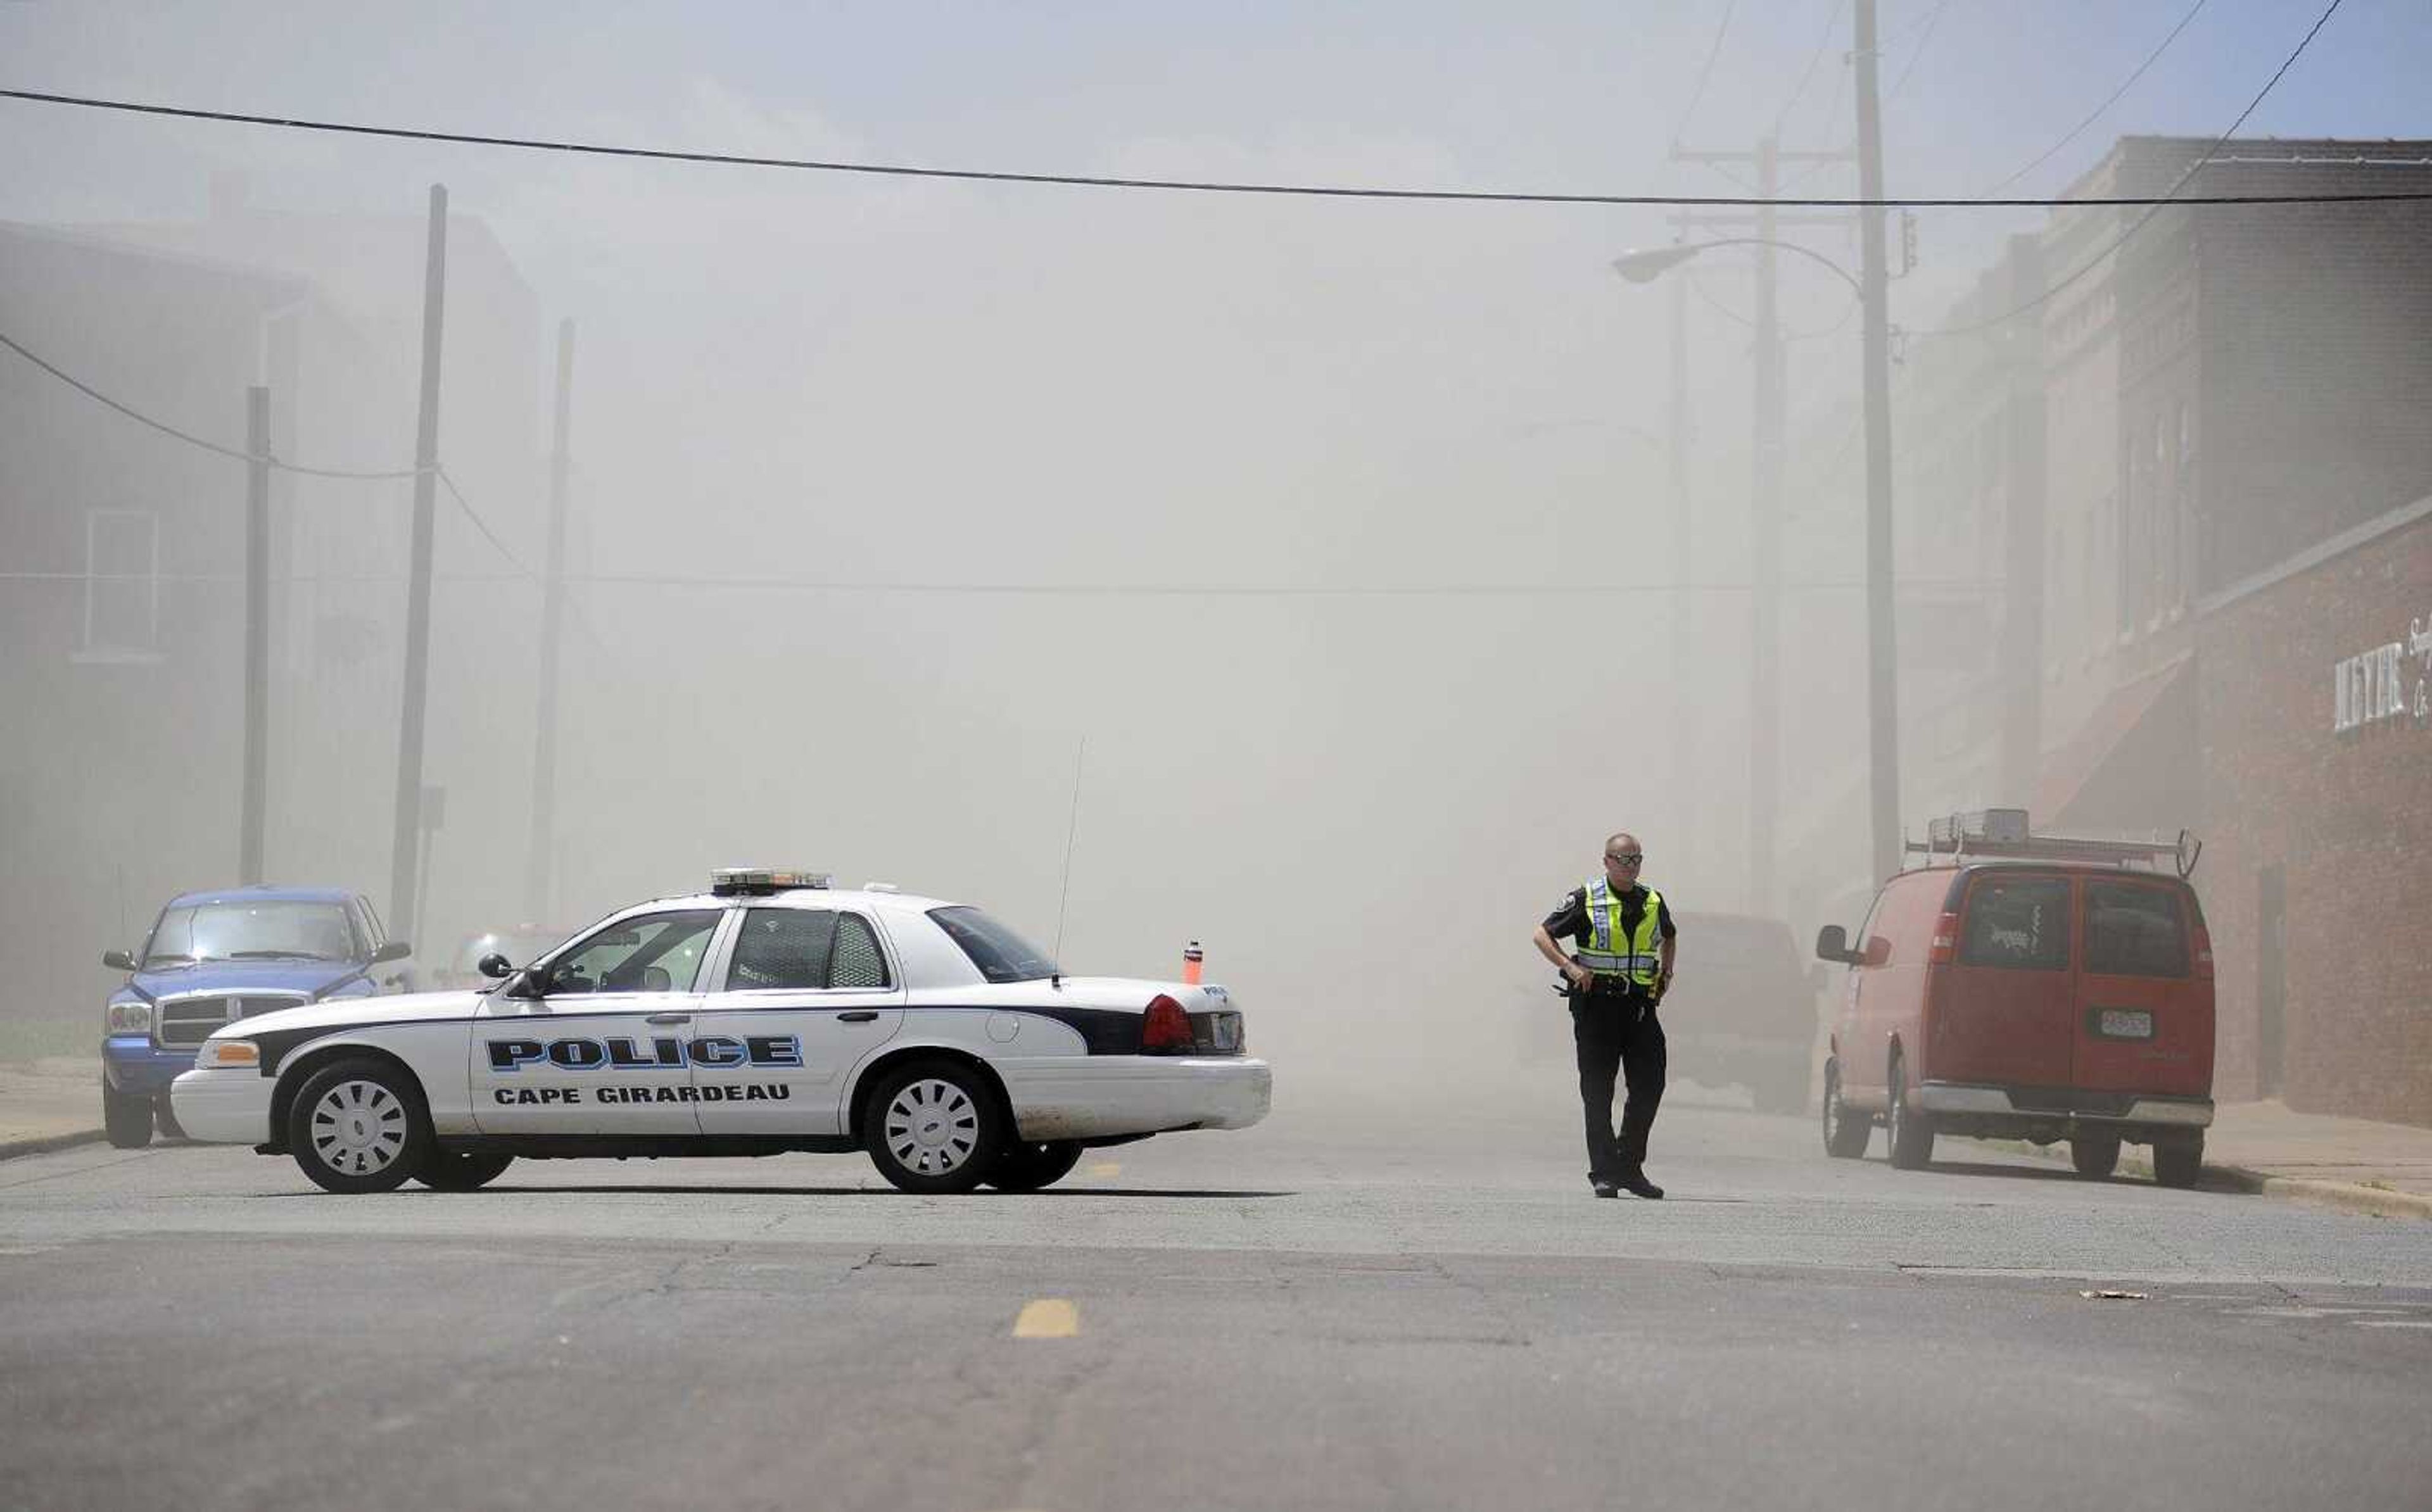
(2018, 922)
(2133, 931)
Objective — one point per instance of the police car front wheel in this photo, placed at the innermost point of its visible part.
(934, 1126)
(454, 1170)
(358, 1126)
(1028, 1167)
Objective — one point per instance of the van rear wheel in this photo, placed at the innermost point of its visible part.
(2179, 1162)
(1911, 1130)
(2095, 1156)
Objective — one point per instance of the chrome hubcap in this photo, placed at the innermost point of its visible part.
(359, 1128)
(932, 1127)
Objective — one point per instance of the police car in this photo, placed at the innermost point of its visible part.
(770, 1013)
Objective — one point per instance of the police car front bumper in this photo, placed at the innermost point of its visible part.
(1103, 1097)
(224, 1107)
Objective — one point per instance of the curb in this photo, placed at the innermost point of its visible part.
(45, 1144)
(2347, 1197)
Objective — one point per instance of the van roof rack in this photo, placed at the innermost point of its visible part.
(2004, 835)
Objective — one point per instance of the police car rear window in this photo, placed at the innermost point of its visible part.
(1000, 953)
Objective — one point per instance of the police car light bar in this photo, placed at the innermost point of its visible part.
(728, 881)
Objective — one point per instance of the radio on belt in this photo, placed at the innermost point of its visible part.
(730, 881)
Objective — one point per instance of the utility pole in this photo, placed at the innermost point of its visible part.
(1765, 516)
(408, 833)
(257, 634)
(1684, 646)
(1883, 649)
(1765, 555)
(537, 908)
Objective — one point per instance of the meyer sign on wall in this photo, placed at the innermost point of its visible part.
(2386, 684)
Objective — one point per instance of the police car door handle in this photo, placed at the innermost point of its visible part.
(669, 1018)
(859, 1015)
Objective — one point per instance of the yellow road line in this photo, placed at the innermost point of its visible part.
(1047, 1317)
(1104, 1171)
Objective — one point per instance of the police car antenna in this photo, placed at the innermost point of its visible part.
(1071, 832)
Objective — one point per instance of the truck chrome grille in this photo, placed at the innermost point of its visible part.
(186, 1022)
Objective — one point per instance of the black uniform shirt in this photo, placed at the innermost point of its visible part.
(1571, 918)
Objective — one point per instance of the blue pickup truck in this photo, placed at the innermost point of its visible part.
(215, 956)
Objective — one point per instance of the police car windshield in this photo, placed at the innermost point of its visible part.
(1000, 954)
(256, 930)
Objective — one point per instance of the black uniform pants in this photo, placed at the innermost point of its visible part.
(1614, 1029)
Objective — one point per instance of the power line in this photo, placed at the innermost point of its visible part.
(2138, 225)
(1181, 185)
(191, 439)
(479, 523)
(1013, 590)
(1706, 72)
(2124, 85)
(1812, 58)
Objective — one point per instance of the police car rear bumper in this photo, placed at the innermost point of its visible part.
(1109, 1095)
(224, 1107)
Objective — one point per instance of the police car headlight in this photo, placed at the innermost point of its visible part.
(130, 1018)
(221, 1053)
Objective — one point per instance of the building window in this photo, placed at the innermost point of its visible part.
(122, 586)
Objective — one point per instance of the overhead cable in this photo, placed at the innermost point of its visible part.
(191, 439)
(1177, 185)
(2091, 264)
(2099, 111)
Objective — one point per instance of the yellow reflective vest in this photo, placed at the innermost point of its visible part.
(1614, 951)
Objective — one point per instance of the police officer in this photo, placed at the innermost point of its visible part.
(1626, 942)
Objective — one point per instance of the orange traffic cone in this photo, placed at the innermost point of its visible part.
(1191, 956)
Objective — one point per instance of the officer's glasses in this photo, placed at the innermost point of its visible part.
(1629, 858)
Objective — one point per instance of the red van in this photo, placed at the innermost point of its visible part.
(2027, 988)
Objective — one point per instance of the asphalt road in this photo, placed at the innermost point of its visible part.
(1354, 1305)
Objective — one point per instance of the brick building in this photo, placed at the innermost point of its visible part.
(2313, 690)
(2255, 525)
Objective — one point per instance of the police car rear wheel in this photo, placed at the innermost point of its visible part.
(358, 1126)
(934, 1127)
(449, 1171)
(1028, 1167)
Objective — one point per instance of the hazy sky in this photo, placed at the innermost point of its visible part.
(846, 378)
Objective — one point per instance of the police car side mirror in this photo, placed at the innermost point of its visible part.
(392, 951)
(1833, 944)
(118, 960)
(493, 965)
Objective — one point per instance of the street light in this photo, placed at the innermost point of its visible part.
(1882, 699)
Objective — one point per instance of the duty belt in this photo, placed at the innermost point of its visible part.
(1624, 964)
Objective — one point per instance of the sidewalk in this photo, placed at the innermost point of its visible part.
(2349, 1163)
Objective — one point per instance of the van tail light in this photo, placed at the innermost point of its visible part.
(2204, 953)
(1166, 1030)
(1946, 940)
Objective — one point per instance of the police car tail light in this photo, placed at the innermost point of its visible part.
(1166, 1030)
(1946, 940)
(2203, 942)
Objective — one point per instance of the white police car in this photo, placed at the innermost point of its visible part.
(770, 1013)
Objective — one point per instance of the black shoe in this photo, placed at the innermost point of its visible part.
(1636, 1182)
(1607, 1189)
